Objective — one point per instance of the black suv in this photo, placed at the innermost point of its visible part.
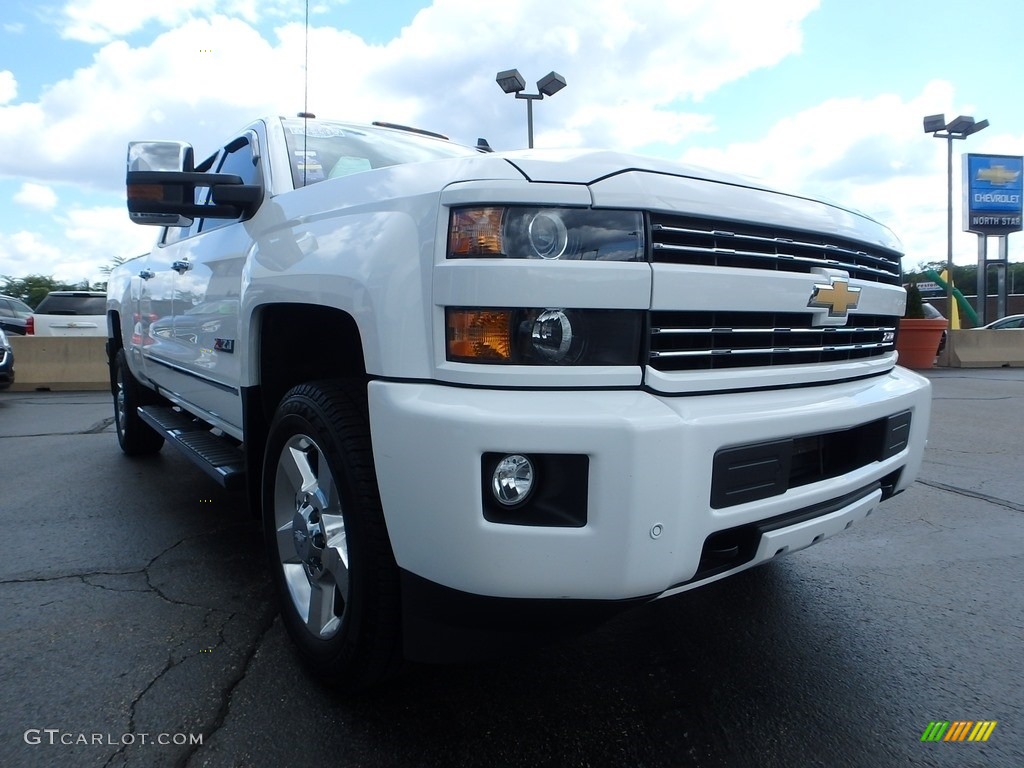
(14, 314)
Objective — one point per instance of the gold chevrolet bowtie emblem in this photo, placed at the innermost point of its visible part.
(999, 175)
(837, 297)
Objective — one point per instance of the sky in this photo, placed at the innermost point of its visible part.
(818, 97)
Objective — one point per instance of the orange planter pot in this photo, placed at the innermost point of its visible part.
(918, 341)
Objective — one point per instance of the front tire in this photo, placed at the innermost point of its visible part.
(135, 436)
(329, 550)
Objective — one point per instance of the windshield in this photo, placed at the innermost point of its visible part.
(320, 150)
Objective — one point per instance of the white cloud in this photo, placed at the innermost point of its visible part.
(636, 73)
(37, 196)
(24, 253)
(94, 236)
(101, 21)
(76, 245)
(8, 86)
(630, 68)
(871, 155)
(638, 60)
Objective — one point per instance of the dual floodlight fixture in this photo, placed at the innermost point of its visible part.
(958, 128)
(510, 81)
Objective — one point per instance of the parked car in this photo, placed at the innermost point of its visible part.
(14, 314)
(6, 361)
(1008, 322)
(932, 313)
(69, 313)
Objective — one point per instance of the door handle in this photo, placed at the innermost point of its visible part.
(181, 267)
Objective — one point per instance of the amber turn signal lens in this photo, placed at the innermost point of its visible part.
(478, 335)
(145, 192)
(475, 232)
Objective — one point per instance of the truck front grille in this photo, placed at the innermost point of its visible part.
(679, 240)
(691, 341)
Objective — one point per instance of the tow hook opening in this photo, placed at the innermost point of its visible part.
(729, 549)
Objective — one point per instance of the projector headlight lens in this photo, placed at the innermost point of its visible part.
(551, 234)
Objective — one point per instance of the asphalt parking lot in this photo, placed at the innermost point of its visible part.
(137, 628)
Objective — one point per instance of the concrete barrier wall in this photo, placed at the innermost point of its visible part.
(59, 363)
(80, 362)
(984, 349)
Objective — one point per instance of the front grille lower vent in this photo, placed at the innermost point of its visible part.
(677, 240)
(694, 341)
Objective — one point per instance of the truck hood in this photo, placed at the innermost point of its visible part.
(619, 179)
(585, 166)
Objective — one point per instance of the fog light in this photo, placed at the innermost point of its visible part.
(512, 480)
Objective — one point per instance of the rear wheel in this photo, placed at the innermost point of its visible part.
(134, 435)
(329, 549)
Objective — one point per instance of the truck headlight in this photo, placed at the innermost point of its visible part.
(565, 234)
(548, 336)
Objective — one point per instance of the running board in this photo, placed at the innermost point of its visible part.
(216, 456)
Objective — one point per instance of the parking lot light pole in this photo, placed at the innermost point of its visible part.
(511, 81)
(959, 128)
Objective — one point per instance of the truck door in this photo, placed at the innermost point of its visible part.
(152, 332)
(207, 278)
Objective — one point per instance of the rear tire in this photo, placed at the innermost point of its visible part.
(329, 550)
(134, 435)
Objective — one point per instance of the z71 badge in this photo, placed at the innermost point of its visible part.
(224, 345)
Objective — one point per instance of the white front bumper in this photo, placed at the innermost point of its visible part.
(650, 465)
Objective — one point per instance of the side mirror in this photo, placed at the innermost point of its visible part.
(160, 156)
(161, 184)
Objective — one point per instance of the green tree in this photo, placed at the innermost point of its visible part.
(101, 285)
(117, 262)
(33, 288)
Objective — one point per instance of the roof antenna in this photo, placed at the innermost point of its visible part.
(305, 101)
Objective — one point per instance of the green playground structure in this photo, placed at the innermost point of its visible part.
(964, 305)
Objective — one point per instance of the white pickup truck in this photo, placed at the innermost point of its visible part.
(483, 398)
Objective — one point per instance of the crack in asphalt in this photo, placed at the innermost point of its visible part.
(221, 716)
(135, 702)
(95, 429)
(144, 570)
(972, 495)
(264, 621)
(80, 576)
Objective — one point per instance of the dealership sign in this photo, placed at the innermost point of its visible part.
(993, 191)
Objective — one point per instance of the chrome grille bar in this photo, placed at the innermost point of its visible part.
(849, 266)
(769, 350)
(842, 329)
(691, 340)
(696, 241)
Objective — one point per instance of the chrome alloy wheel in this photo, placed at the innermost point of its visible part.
(121, 410)
(311, 540)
